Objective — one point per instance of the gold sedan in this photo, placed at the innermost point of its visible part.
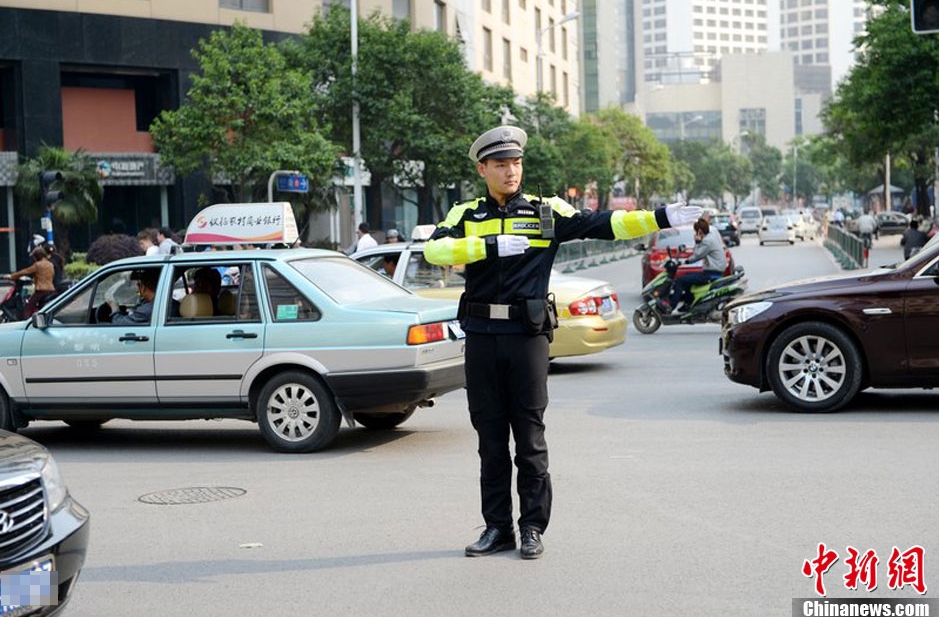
(589, 316)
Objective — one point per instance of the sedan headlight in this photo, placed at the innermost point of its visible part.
(740, 314)
(55, 485)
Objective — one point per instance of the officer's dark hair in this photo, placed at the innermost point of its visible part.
(363, 227)
(914, 224)
(702, 226)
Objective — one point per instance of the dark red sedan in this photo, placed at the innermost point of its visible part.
(816, 344)
(677, 241)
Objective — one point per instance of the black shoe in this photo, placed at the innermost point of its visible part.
(493, 540)
(532, 548)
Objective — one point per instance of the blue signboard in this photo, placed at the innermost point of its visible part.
(293, 183)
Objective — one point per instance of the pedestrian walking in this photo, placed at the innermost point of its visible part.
(366, 240)
(508, 241)
(913, 239)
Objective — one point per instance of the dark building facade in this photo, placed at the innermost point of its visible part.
(95, 82)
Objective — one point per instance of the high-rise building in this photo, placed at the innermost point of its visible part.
(611, 58)
(682, 40)
(821, 32)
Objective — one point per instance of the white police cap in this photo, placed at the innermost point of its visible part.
(502, 142)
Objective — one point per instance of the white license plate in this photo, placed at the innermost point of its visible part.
(37, 574)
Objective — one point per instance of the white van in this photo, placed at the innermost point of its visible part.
(748, 220)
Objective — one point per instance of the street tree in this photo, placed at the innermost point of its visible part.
(419, 105)
(246, 115)
(588, 157)
(766, 161)
(640, 160)
(887, 103)
(81, 190)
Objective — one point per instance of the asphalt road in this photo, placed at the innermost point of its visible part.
(677, 493)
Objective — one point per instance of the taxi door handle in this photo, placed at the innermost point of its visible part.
(133, 337)
(241, 334)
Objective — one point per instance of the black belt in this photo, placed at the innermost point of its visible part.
(493, 311)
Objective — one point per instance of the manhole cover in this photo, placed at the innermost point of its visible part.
(197, 494)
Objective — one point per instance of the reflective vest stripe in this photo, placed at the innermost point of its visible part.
(455, 251)
(632, 224)
(492, 227)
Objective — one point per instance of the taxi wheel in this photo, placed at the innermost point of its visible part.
(383, 421)
(297, 413)
(814, 366)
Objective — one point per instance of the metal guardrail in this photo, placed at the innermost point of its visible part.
(847, 248)
(580, 254)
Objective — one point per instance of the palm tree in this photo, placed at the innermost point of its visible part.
(81, 189)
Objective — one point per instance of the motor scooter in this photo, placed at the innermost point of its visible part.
(708, 302)
(13, 297)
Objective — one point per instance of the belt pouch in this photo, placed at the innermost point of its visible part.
(534, 315)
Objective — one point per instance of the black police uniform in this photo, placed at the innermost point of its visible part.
(506, 359)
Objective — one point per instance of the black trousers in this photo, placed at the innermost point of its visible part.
(507, 390)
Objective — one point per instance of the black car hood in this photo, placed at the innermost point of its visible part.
(19, 455)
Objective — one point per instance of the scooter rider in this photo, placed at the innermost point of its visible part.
(508, 241)
(709, 249)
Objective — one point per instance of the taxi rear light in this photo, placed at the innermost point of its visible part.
(591, 305)
(426, 333)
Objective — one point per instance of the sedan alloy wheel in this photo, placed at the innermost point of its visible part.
(814, 367)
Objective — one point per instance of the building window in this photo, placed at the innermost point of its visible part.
(554, 80)
(487, 6)
(523, 54)
(487, 49)
(401, 9)
(564, 43)
(521, 4)
(567, 100)
(551, 35)
(537, 24)
(506, 59)
(505, 11)
(261, 6)
(440, 16)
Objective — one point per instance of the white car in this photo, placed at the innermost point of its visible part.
(777, 228)
(748, 220)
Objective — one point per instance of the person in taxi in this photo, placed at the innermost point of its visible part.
(146, 288)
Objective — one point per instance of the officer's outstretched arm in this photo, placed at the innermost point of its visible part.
(443, 250)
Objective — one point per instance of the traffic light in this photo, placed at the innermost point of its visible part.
(925, 16)
(50, 197)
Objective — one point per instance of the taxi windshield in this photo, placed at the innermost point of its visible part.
(346, 281)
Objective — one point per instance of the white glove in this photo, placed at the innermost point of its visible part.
(509, 245)
(681, 214)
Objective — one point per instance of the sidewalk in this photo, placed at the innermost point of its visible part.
(886, 251)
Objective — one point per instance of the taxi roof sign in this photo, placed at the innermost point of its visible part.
(422, 232)
(251, 223)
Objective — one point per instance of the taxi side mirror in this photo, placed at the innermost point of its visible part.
(39, 321)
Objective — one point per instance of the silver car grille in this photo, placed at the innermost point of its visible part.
(22, 516)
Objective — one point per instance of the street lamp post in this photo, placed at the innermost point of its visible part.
(357, 206)
(540, 36)
(795, 175)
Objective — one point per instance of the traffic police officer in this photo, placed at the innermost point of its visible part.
(508, 242)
